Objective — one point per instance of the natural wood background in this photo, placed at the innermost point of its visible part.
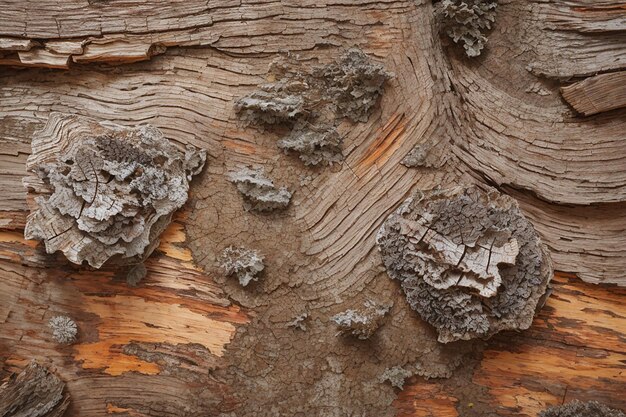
(499, 120)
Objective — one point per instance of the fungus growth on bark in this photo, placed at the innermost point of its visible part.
(581, 409)
(64, 329)
(105, 190)
(361, 323)
(313, 102)
(245, 264)
(467, 21)
(469, 262)
(259, 192)
(34, 392)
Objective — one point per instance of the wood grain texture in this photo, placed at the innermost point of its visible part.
(597, 94)
(499, 120)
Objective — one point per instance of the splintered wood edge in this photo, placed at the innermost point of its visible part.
(597, 94)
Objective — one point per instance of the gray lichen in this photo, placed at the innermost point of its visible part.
(64, 329)
(315, 145)
(353, 84)
(469, 262)
(361, 323)
(245, 264)
(259, 192)
(271, 105)
(298, 322)
(396, 376)
(581, 409)
(467, 21)
(313, 102)
(113, 189)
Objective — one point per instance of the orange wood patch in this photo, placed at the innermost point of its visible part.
(388, 139)
(425, 399)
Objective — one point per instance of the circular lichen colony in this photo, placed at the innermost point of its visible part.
(106, 190)
(469, 262)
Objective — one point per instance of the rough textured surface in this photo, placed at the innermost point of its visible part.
(315, 145)
(581, 409)
(244, 263)
(64, 329)
(109, 190)
(34, 392)
(566, 172)
(597, 94)
(313, 101)
(259, 192)
(468, 260)
(396, 376)
(363, 322)
(467, 21)
(135, 274)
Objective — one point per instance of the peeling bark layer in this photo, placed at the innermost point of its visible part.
(34, 392)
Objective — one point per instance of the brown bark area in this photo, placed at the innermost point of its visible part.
(159, 349)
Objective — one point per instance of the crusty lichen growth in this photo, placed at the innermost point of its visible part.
(396, 376)
(467, 21)
(259, 192)
(313, 102)
(353, 84)
(315, 145)
(361, 323)
(64, 329)
(581, 409)
(272, 104)
(298, 322)
(469, 262)
(245, 264)
(112, 189)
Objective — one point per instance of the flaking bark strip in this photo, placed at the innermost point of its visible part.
(581, 409)
(469, 262)
(34, 392)
(109, 190)
(259, 192)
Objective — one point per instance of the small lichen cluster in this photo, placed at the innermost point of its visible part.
(581, 409)
(245, 264)
(467, 21)
(396, 376)
(259, 192)
(113, 190)
(64, 329)
(315, 144)
(298, 322)
(469, 262)
(313, 103)
(361, 323)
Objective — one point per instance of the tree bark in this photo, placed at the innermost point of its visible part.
(539, 115)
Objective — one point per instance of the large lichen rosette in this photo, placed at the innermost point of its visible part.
(468, 260)
(104, 190)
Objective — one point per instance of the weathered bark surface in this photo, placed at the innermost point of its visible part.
(34, 392)
(189, 341)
